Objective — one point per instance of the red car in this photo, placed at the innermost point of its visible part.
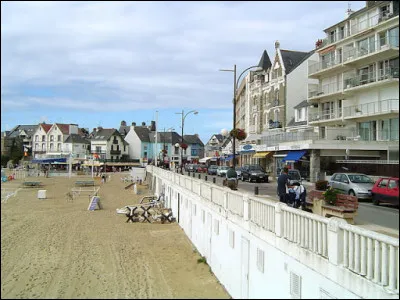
(386, 190)
(201, 169)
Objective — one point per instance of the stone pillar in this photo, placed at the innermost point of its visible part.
(315, 164)
(246, 207)
(279, 219)
(335, 241)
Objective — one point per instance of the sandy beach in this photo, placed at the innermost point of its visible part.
(53, 248)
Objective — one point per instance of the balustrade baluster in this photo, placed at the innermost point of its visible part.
(319, 238)
(345, 248)
(363, 259)
(393, 272)
(370, 259)
(357, 253)
(324, 240)
(351, 250)
(385, 262)
(315, 236)
(377, 267)
(306, 231)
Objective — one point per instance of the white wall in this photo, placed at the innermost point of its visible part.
(134, 144)
(297, 86)
(321, 275)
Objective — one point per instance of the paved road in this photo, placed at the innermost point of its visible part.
(385, 216)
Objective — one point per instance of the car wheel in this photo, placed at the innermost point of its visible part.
(351, 193)
(375, 200)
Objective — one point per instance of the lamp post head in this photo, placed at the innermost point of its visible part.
(196, 112)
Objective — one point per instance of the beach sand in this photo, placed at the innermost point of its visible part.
(52, 248)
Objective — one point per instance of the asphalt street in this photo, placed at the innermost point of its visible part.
(382, 215)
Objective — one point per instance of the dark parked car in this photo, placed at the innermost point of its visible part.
(254, 172)
(212, 170)
(295, 176)
(238, 172)
(386, 190)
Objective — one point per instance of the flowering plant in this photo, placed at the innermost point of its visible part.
(318, 43)
(184, 146)
(330, 195)
(238, 133)
(164, 151)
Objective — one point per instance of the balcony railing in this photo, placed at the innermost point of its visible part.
(372, 108)
(370, 77)
(322, 65)
(115, 152)
(324, 115)
(370, 22)
(383, 44)
(326, 89)
(274, 124)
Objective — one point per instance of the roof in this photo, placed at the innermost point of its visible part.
(104, 134)
(29, 130)
(303, 103)
(143, 133)
(192, 139)
(123, 130)
(46, 127)
(265, 62)
(219, 137)
(293, 123)
(76, 138)
(64, 128)
(226, 141)
(165, 137)
(291, 59)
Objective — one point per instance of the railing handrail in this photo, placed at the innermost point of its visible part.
(371, 234)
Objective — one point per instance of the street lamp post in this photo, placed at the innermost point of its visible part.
(164, 154)
(183, 123)
(235, 84)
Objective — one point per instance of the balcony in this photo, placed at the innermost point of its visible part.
(322, 67)
(115, 142)
(325, 116)
(274, 125)
(385, 48)
(369, 79)
(115, 152)
(389, 107)
(326, 90)
(370, 22)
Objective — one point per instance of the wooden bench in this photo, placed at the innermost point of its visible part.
(345, 207)
(33, 184)
(85, 183)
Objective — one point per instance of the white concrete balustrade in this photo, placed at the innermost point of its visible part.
(257, 247)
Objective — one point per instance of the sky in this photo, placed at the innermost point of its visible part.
(99, 63)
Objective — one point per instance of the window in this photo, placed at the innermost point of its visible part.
(383, 183)
(341, 32)
(51, 147)
(59, 147)
(231, 238)
(59, 138)
(384, 10)
(52, 138)
(36, 138)
(43, 147)
(37, 147)
(260, 260)
(394, 37)
(124, 148)
(393, 184)
(367, 131)
(43, 138)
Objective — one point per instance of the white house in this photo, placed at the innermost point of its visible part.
(39, 144)
(108, 144)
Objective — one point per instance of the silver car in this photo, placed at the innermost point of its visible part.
(221, 171)
(354, 184)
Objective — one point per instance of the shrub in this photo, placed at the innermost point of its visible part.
(330, 195)
(321, 185)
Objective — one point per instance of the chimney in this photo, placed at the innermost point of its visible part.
(143, 123)
(123, 123)
(369, 3)
(99, 128)
(153, 126)
(133, 123)
(94, 130)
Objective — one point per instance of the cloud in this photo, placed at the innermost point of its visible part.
(113, 56)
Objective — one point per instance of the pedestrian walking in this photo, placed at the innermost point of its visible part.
(283, 182)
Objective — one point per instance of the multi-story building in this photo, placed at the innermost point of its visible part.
(108, 144)
(213, 148)
(40, 137)
(23, 133)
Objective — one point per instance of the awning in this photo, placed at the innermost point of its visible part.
(294, 155)
(204, 159)
(228, 158)
(247, 151)
(48, 160)
(261, 154)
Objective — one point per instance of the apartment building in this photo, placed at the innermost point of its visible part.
(108, 144)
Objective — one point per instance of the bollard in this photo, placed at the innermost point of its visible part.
(256, 190)
(194, 174)
(199, 176)
(214, 179)
(188, 174)
(267, 179)
(205, 178)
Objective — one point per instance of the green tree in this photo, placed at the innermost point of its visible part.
(4, 160)
(16, 150)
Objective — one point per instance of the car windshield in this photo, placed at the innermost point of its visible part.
(294, 175)
(238, 169)
(255, 168)
(213, 167)
(360, 179)
(224, 168)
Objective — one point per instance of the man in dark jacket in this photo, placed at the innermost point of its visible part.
(283, 182)
(231, 177)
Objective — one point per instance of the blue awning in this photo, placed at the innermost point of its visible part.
(229, 157)
(294, 155)
(48, 160)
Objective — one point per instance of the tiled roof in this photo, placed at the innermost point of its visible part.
(303, 103)
(46, 127)
(76, 138)
(291, 59)
(29, 130)
(170, 137)
(103, 134)
(64, 128)
(265, 62)
(143, 133)
(192, 139)
(123, 130)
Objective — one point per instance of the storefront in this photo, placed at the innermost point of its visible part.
(264, 159)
